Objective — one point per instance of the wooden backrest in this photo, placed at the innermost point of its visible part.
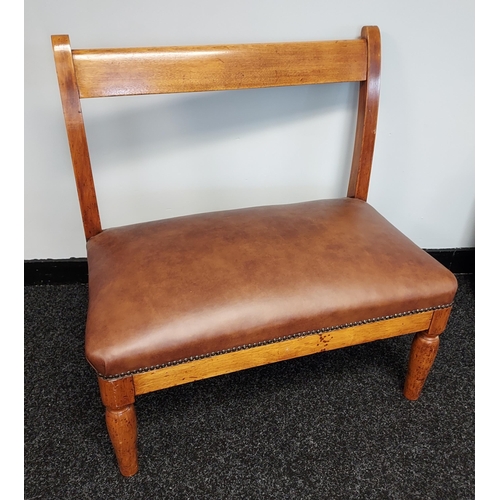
(91, 73)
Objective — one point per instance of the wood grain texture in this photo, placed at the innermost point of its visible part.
(369, 93)
(117, 393)
(118, 397)
(76, 135)
(423, 352)
(114, 72)
(272, 353)
(122, 430)
(439, 321)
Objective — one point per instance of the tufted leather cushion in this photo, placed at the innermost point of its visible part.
(167, 290)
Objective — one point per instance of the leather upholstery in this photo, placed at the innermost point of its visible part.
(167, 290)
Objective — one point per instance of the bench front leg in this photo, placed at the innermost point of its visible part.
(118, 397)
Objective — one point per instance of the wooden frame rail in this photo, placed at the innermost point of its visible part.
(162, 70)
(280, 351)
(89, 73)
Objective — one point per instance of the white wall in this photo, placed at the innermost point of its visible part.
(162, 156)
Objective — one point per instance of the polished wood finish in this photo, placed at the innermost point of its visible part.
(369, 93)
(118, 397)
(279, 351)
(160, 70)
(86, 73)
(423, 353)
(122, 430)
(76, 135)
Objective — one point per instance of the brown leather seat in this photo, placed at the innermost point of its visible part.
(173, 290)
(178, 300)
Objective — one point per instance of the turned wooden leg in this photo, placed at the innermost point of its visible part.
(118, 398)
(422, 354)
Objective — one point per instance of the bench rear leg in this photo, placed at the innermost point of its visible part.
(423, 353)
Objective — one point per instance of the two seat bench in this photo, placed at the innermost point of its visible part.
(182, 299)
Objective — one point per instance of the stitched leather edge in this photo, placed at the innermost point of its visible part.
(267, 342)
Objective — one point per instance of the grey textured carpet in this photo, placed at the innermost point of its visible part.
(328, 426)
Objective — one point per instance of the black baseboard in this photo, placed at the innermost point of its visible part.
(75, 270)
(457, 260)
(55, 271)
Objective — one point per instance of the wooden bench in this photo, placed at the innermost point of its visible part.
(187, 298)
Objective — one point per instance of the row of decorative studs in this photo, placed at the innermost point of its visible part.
(272, 341)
